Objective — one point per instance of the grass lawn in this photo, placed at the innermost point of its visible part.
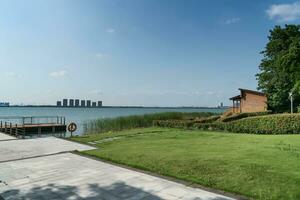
(257, 166)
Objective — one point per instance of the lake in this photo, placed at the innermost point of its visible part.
(81, 115)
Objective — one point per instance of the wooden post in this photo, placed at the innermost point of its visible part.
(5, 128)
(23, 131)
(10, 128)
(16, 129)
(233, 106)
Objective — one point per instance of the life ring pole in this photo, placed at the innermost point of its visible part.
(72, 127)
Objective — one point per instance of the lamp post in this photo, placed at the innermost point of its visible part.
(291, 98)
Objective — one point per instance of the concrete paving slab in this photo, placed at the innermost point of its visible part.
(27, 148)
(4, 136)
(70, 176)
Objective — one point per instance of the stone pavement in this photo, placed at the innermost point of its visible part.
(6, 137)
(26, 148)
(73, 177)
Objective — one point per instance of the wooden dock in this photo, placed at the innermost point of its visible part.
(22, 127)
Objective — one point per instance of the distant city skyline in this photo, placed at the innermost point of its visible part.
(135, 52)
(78, 103)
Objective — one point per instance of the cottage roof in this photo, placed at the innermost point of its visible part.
(247, 91)
(252, 91)
(236, 97)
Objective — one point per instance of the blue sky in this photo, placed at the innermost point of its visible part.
(134, 52)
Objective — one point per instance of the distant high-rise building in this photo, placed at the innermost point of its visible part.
(71, 102)
(88, 103)
(76, 102)
(82, 104)
(65, 102)
(222, 105)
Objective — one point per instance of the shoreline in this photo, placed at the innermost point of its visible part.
(147, 107)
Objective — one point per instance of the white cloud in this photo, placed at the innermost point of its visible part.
(101, 55)
(110, 30)
(60, 73)
(284, 12)
(10, 74)
(214, 93)
(211, 93)
(233, 20)
(97, 92)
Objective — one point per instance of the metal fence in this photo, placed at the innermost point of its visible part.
(34, 120)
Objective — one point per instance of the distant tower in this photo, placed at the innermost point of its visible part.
(65, 102)
(94, 104)
(99, 103)
(76, 102)
(58, 103)
(88, 103)
(82, 104)
(222, 105)
(71, 103)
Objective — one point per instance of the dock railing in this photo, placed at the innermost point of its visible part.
(19, 125)
(34, 120)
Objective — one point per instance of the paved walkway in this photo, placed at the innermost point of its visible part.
(26, 148)
(72, 177)
(6, 137)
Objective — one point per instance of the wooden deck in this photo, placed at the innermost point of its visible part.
(29, 129)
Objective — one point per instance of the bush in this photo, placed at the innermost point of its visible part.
(298, 109)
(208, 119)
(173, 123)
(242, 115)
(268, 124)
(208, 126)
(136, 121)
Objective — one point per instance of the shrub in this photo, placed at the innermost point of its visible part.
(208, 126)
(242, 115)
(208, 119)
(173, 123)
(268, 124)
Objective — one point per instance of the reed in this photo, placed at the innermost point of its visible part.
(137, 121)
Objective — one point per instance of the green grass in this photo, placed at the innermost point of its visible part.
(257, 166)
(136, 121)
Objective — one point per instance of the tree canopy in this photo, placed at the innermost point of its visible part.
(280, 67)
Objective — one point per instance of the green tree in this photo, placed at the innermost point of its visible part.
(280, 67)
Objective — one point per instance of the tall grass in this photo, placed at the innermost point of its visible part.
(137, 121)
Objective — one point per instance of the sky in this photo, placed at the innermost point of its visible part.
(134, 52)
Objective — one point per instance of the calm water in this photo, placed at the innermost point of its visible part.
(81, 115)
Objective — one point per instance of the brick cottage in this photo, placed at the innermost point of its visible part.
(249, 101)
